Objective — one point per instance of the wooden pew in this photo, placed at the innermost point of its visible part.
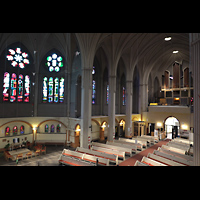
(67, 160)
(129, 141)
(138, 163)
(127, 150)
(67, 152)
(130, 146)
(111, 157)
(81, 156)
(101, 161)
(173, 157)
(172, 144)
(183, 140)
(151, 138)
(174, 149)
(120, 154)
(151, 162)
(141, 141)
(164, 160)
(179, 155)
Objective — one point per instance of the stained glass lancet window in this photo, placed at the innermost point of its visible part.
(6, 86)
(13, 88)
(46, 128)
(27, 89)
(56, 89)
(15, 130)
(124, 96)
(53, 90)
(50, 98)
(22, 129)
(20, 88)
(7, 131)
(93, 87)
(58, 128)
(107, 94)
(44, 90)
(93, 91)
(62, 90)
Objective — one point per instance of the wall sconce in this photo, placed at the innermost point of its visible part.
(184, 127)
(159, 124)
(103, 126)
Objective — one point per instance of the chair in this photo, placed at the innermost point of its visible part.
(43, 150)
(19, 156)
(29, 154)
(37, 152)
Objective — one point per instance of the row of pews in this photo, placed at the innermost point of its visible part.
(104, 154)
(177, 152)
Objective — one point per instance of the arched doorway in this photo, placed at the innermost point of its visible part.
(122, 128)
(103, 130)
(172, 125)
(77, 135)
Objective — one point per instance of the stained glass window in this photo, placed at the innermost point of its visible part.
(52, 128)
(124, 96)
(46, 128)
(50, 98)
(58, 128)
(93, 86)
(22, 129)
(13, 88)
(62, 90)
(6, 86)
(107, 94)
(93, 91)
(15, 130)
(20, 88)
(56, 89)
(44, 90)
(27, 89)
(18, 58)
(54, 92)
(7, 131)
(54, 62)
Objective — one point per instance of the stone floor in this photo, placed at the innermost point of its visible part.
(49, 159)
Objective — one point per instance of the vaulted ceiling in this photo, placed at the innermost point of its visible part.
(149, 49)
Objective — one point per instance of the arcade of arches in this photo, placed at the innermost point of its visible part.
(98, 86)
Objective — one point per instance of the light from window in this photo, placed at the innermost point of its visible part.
(54, 62)
(56, 88)
(124, 96)
(27, 89)
(13, 88)
(107, 94)
(93, 91)
(20, 88)
(53, 90)
(18, 58)
(44, 90)
(6, 86)
(50, 99)
(62, 90)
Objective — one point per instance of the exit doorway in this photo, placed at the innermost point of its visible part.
(172, 125)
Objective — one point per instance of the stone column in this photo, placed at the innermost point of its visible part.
(111, 107)
(195, 54)
(129, 94)
(86, 106)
